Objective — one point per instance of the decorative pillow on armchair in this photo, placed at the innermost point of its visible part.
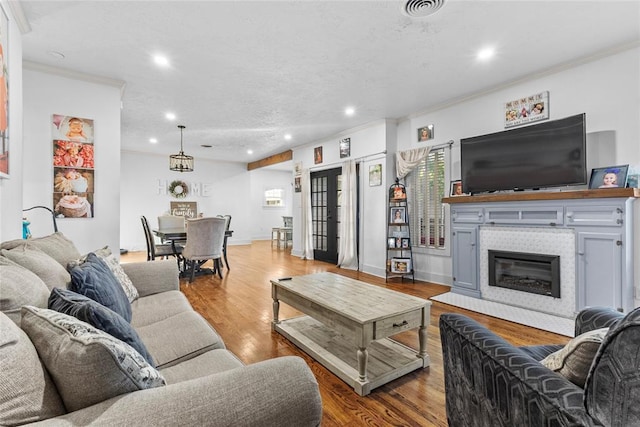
(87, 365)
(574, 359)
(93, 279)
(98, 316)
(115, 267)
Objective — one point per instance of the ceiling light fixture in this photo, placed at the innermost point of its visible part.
(160, 60)
(288, 137)
(153, 140)
(486, 53)
(181, 162)
(249, 151)
(170, 116)
(349, 111)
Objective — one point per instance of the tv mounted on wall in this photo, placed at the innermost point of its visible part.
(549, 154)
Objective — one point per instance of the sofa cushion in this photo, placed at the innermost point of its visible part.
(107, 256)
(179, 338)
(18, 287)
(87, 365)
(56, 245)
(98, 316)
(575, 358)
(156, 307)
(46, 268)
(208, 363)
(93, 279)
(27, 393)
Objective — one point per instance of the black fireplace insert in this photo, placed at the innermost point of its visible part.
(533, 273)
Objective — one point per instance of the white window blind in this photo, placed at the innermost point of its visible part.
(427, 188)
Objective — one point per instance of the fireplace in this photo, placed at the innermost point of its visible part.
(533, 273)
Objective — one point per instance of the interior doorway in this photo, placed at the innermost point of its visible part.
(326, 187)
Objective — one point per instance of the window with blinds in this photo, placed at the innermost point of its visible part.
(427, 184)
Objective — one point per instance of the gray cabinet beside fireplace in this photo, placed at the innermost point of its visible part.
(601, 222)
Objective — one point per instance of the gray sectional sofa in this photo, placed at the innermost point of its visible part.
(195, 380)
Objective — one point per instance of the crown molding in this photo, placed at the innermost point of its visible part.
(20, 18)
(75, 75)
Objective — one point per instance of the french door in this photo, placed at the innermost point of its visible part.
(325, 208)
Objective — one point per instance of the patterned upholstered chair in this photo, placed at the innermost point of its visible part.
(490, 382)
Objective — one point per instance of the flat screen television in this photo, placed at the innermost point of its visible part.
(548, 154)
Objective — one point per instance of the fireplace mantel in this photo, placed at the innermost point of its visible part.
(524, 196)
(601, 220)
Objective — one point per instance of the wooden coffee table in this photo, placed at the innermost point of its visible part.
(347, 325)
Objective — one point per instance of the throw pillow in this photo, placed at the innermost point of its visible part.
(113, 264)
(87, 365)
(98, 316)
(18, 287)
(56, 245)
(574, 359)
(36, 261)
(93, 279)
(27, 393)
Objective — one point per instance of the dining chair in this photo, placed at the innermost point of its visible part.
(227, 226)
(171, 221)
(154, 250)
(205, 240)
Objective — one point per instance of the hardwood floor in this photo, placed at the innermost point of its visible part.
(239, 307)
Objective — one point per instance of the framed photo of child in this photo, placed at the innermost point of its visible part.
(609, 177)
(397, 215)
(456, 189)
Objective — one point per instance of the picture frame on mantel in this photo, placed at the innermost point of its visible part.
(609, 177)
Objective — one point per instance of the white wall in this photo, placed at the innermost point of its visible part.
(145, 178)
(11, 189)
(263, 218)
(47, 94)
(607, 90)
(368, 145)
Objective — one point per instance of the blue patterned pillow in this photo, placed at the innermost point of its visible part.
(98, 316)
(94, 279)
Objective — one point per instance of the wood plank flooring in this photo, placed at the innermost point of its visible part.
(240, 308)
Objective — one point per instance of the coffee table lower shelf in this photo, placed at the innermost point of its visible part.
(388, 359)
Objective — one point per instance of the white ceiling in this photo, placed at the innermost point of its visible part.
(243, 74)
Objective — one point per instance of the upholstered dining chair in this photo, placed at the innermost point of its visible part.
(205, 240)
(172, 221)
(154, 251)
(227, 226)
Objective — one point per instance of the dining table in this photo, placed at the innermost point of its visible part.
(175, 234)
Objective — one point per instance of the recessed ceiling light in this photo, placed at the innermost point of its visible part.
(288, 137)
(161, 61)
(170, 116)
(249, 151)
(486, 53)
(349, 111)
(153, 140)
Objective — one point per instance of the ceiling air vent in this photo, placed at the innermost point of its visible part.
(421, 8)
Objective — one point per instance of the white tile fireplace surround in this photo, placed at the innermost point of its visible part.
(590, 230)
(546, 241)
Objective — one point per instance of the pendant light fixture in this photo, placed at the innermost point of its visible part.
(181, 162)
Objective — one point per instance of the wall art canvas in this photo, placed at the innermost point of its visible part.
(186, 209)
(317, 155)
(528, 109)
(73, 166)
(4, 94)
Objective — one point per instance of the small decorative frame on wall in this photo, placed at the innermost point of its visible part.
(529, 109)
(375, 175)
(425, 133)
(345, 147)
(317, 155)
